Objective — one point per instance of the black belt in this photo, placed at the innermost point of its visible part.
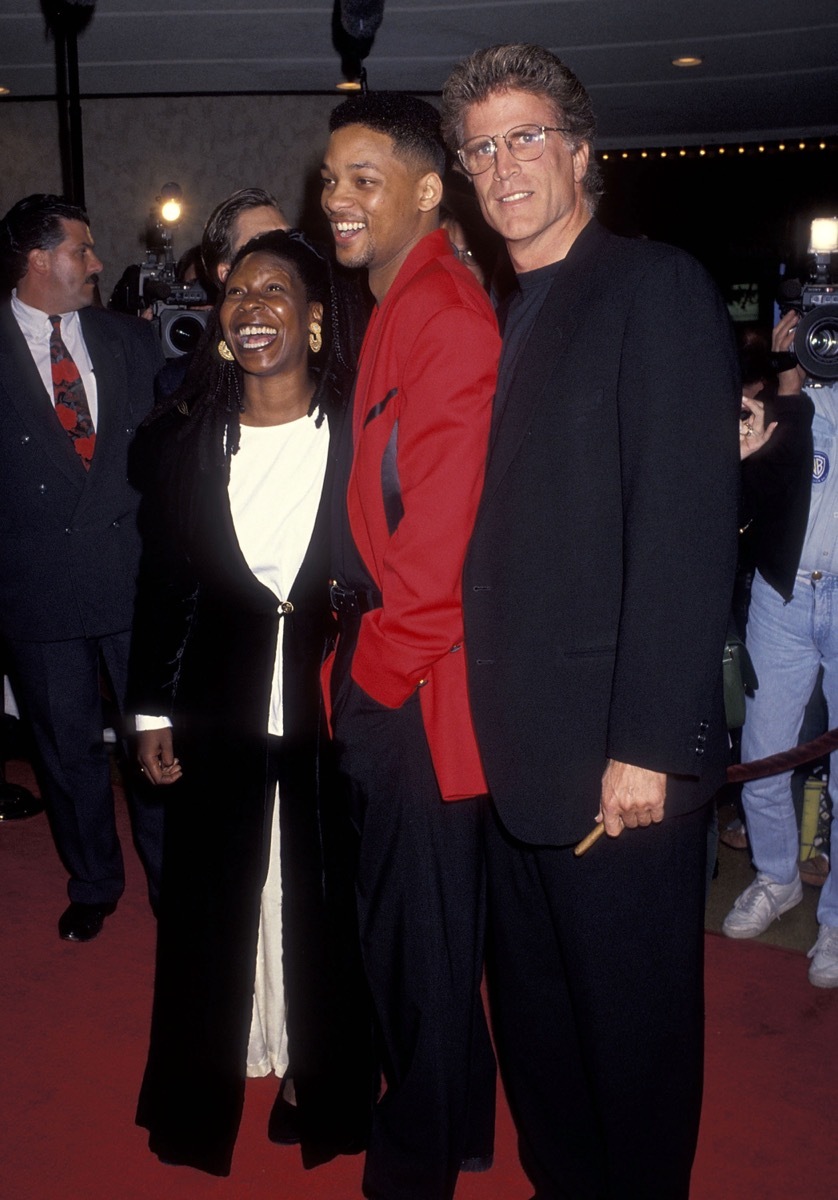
(352, 602)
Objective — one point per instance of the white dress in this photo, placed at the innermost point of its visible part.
(276, 481)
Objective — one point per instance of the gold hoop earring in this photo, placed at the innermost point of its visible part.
(315, 339)
(225, 351)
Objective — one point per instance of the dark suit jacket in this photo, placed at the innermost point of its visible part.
(69, 546)
(598, 583)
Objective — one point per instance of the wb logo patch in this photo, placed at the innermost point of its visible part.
(820, 467)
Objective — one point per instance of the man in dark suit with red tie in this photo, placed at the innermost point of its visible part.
(75, 382)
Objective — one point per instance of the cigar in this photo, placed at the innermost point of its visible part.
(588, 841)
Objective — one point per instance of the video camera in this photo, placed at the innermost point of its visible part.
(177, 307)
(816, 335)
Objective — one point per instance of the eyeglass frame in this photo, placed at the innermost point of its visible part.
(493, 138)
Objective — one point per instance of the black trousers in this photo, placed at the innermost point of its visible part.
(421, 901)
(57, 687)
(595, 969)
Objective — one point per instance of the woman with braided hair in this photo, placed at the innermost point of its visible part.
(257, 966)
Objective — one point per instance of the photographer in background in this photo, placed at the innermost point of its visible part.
(790, 635)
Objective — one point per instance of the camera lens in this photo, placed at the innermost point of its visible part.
(816, 342)
(180, 330)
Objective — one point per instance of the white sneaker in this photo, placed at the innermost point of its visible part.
(759, 905)
(824, 955)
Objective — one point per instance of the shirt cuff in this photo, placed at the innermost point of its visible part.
(142, 722)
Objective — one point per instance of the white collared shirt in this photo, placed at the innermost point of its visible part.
(35, 326)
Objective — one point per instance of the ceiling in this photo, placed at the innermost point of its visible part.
(770, 67)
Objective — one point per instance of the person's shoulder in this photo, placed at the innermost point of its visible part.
(642, 256)
(444, 284)
(120, 326)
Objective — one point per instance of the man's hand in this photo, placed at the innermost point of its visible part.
(631, 797)
(753, 432)
(782, 340)
(156, 756)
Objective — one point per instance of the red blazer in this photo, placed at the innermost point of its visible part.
(429, 362)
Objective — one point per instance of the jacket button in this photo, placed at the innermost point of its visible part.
(285, 608)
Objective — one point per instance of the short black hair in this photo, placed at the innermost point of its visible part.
(34, 223)
(413, 124)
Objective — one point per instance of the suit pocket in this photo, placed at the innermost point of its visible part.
(590, 652)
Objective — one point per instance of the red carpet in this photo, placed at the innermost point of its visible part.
(74, 1027)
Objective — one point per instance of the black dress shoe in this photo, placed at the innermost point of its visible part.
(17, 802)
(83, 922)
(284, 1121)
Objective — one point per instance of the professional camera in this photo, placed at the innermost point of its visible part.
(177, 308)
(816, 335)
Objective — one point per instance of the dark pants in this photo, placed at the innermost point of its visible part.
(57, 687)
(595, 968)
(421, 899)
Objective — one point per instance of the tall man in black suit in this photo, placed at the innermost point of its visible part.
(75, 382)
(596, 594)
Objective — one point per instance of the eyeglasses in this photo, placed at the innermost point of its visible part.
(524, 142)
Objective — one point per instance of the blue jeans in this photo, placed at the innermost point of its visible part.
(788, 642)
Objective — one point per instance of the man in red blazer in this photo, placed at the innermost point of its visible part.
(409, 471)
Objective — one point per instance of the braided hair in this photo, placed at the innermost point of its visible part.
(211, 398)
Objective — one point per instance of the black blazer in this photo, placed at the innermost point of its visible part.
(598, 583)
(69, 546)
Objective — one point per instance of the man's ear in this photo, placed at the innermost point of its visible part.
(580, 161)
(430, 192)
(37, 262)
(315, 311)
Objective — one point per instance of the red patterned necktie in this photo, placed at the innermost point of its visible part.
(71, 405)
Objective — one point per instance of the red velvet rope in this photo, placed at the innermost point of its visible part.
(786, 760)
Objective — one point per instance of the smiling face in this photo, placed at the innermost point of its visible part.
(62, 279)
(538, 207)
(379, 204)
(265, 316)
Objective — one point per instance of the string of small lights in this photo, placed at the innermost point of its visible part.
(732, 150)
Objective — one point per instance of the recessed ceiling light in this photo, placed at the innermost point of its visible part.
(348, 85)
(4, 91)
(687, 60)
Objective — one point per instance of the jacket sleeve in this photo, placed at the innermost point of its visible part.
(166, 589)
(445, 408)
(678, 404)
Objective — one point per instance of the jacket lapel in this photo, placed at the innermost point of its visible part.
(26, 395)
(111, 387)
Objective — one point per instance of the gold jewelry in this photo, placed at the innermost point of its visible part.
(225, 351)
(315, 339)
